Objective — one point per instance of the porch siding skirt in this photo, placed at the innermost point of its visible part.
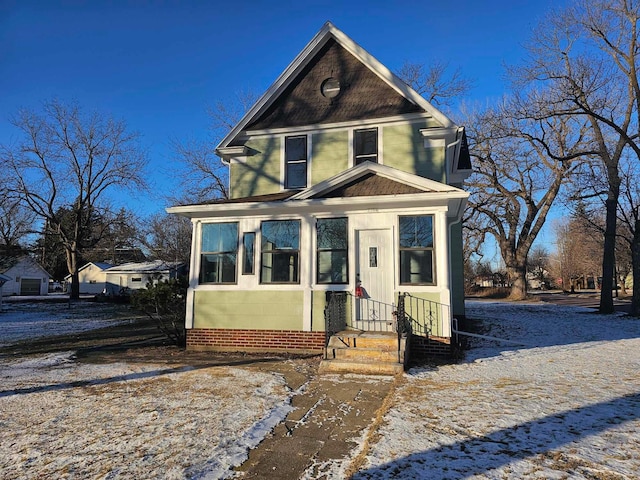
(225, 340)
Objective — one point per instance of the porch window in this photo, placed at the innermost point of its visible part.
(295, 156)
(416, 250)
(365, 145)
(280, 251)
(219, 253)
(248, 241)
(332, 245)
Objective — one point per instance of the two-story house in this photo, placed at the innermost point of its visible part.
(342, 179)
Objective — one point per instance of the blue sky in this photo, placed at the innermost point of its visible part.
(158, 65)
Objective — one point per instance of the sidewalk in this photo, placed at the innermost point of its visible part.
(329, 425)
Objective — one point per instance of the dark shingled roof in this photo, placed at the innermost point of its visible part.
(370, 185)
(270, 197)
(363, 95)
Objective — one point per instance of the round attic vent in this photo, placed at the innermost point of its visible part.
(330, 88)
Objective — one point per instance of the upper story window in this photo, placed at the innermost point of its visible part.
(416, 250)
(295, 159)
(365, 145)
(280, 251)
(219, 253)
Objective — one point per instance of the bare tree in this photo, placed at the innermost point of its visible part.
(16, 222)
(436, 82)
(66, 160)
(628, 251)
(168, 237)
(520, 166)
(587, 55)
(538, 264)
(202, 176)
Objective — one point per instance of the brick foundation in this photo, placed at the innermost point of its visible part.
(223, 340)
(422, 347)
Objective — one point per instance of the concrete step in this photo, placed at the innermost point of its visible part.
(365, 354)
(382, 340)
(364, 368)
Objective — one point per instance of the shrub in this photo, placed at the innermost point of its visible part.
(165, 302)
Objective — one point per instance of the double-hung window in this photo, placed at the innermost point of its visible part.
(416, 250)
(332, 248)
(219, 253)
(295, 157)
(280, 251)
(365, 145)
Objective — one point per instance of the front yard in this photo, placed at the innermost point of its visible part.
(565, 404)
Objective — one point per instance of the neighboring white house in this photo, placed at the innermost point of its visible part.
(91, 277)
(26, 276)
(136, 275)
(3, 279)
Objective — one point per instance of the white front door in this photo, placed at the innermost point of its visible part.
(374, 269)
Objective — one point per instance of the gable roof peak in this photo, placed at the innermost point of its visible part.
(369, 168)
(294, 69)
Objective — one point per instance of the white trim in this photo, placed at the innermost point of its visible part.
(451, 200)
(317, 128)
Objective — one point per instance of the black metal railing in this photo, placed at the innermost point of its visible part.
(420, 316)
(374, 315)
(337, 314)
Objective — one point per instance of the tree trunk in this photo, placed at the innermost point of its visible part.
(635, 266)
(72, 265)
(518, 276)
(606, 296)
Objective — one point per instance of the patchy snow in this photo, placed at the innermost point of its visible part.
(30, 320)
(565, 406)
(62, 419)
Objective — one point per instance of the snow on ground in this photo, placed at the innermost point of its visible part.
(565, 405)
(62, 419)
(29, 320)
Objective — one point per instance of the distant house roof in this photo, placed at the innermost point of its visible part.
(7, 262)
(156, 266)
(101, 265)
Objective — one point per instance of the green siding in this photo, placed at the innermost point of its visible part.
(457, 270)
(261, 310)
(318, 303)
(330, 155)
(403, 148)
(421, 310)
(260, 172)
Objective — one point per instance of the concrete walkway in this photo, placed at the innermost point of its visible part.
(331, 419)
